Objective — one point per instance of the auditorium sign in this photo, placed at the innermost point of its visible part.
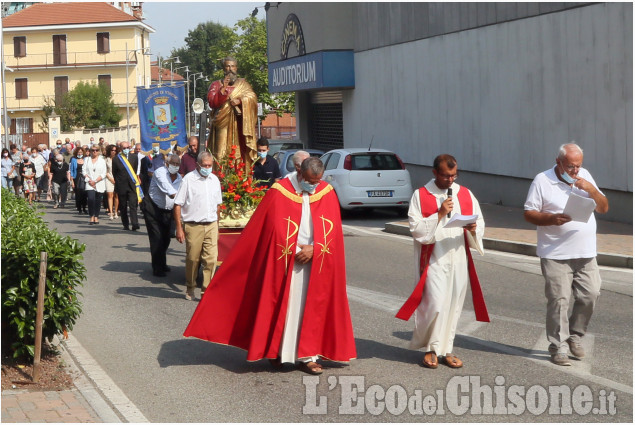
(320, 70)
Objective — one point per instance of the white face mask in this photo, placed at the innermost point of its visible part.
(173, 169)
(155, 149)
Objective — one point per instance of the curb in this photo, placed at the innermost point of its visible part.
(101, 393)
(603, 259)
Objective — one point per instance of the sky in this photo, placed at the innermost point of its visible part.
(173, 20)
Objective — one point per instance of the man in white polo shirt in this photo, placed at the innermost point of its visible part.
(196, 208)
(567, 250)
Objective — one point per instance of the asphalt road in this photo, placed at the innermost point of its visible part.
(132, 325)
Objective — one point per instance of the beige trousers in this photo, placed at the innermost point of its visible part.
(201, 248)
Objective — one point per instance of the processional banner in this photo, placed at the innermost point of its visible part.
(162, 117)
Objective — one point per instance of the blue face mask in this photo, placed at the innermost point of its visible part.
(308, 187)
(262, 155)
(155, 149)
(126, 151)
(204, 171)
(566, 177)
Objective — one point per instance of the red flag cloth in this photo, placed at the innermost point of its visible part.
(429, 207)
(245, 303)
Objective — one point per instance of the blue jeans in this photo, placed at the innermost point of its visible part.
(7, 183)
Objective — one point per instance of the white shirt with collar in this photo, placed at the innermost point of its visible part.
(548, 194)
(162, 187)
(199, 197)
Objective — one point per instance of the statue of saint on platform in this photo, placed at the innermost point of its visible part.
(234, 115)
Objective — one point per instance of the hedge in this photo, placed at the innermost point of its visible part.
(24, 236)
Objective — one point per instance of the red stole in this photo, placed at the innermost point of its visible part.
(429, 207)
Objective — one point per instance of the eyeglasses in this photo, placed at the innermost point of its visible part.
(94, 150)
(448, 176)
(572, 167)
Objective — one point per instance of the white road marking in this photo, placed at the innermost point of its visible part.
(467, 325)
(106, 386)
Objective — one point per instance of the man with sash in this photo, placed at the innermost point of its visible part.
(443, 263)
(127, 185)
(235, 113)
(281, 292)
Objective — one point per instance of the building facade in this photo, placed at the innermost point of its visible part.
(48, 48)
(498, 85)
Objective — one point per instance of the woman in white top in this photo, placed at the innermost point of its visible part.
(113, 200)
(94, 171)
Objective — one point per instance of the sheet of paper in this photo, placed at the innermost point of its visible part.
(579, 208)
(458, 220)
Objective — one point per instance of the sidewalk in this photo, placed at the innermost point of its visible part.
(506, 230)
(20, 406)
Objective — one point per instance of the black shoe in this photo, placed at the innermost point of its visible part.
(126, 228)
(159, 273)
(135, 227)
(167, 269)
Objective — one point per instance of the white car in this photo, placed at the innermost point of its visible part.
(364, 178)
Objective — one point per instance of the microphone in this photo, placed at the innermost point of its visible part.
(449, 196)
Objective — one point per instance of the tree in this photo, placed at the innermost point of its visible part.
(88, 105)
(199, 44)
(247, 42)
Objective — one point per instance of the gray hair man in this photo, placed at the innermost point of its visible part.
(567, 250)
(196, 210)
(157, 212)
(127, 185)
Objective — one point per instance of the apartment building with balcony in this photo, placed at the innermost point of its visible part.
(48, 48)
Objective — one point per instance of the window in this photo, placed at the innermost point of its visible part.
(21, 125)
(103, 42)
(21, 91)
(375, 161)
(59, 50)
(105, 80)
(19, 47)
(61, 88)
(333, 161)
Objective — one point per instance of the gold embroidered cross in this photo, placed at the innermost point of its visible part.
(286, 249)
(325, 246)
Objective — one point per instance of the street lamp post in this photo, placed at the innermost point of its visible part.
(162, 61)
(187, 78)
(146, 51)
(197, 76)
(5, 109)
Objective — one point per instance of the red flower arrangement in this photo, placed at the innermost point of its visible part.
(241, 193)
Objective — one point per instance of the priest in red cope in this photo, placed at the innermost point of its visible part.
(281, 293)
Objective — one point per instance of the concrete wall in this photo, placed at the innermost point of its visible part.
(503, 97)
(383, 24)
(326, 26)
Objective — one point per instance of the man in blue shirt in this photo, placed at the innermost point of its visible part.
(265, 168)
(157, 211)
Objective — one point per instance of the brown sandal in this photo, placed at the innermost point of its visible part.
(312, 368)
(430, 360)
(450, 360)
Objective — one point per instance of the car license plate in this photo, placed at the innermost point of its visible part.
(379, 193)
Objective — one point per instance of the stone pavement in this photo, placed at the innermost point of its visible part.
(20, 406)
(506, 230)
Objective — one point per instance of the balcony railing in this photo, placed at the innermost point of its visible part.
(70, 59)
(37, 102)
